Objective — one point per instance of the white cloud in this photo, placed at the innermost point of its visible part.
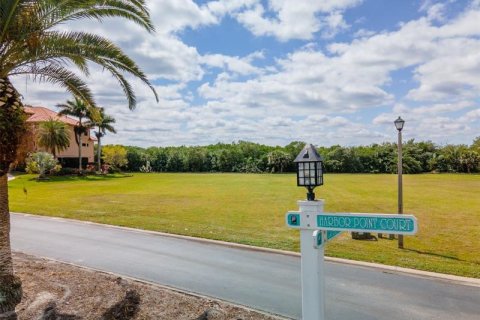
(296, 19)
(242, 66)
(223, 7)
(176, 15)
(333, 24)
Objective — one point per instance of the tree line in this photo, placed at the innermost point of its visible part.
(249, 157)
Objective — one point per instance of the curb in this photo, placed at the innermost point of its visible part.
(474, 282)
(161, 286)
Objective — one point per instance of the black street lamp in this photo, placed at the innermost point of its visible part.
(399, 125)
(309, 170)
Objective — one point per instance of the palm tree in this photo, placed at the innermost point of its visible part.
(80, 109)
(104, 124)
(31, 43)
(53, 136)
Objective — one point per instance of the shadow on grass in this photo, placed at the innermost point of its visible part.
(440, 255)
(86, 178)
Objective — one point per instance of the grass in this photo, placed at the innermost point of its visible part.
(250, 209)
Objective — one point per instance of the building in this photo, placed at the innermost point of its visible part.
(69, 156)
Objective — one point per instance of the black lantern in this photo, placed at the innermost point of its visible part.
(399, 123)
(309, 170)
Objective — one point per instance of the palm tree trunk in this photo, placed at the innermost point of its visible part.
(12, 122)
(79, 152)
(99, 153)
(10, 285)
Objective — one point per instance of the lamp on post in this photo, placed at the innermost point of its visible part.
(309, 170)
(309, 166)
(399, 125)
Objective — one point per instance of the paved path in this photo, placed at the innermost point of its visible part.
(265, 281)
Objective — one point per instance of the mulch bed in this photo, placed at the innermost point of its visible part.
(58, 291)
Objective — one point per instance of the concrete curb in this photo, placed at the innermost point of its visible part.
(161, 286)
(474, 282)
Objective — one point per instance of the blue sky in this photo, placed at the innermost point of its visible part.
(325, 72)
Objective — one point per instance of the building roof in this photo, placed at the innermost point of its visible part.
(41, 114)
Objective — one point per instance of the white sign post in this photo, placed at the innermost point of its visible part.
(316, 228)
(313, 279)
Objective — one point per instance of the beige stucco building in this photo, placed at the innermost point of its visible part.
(69, 156)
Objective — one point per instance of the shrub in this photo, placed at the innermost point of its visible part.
(115, 156)
(32, 167)
(147, 168)
(41, 163)
(67, 172)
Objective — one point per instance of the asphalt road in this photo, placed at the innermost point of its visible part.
(264, 281)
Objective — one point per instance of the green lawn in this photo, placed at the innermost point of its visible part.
(250, 209)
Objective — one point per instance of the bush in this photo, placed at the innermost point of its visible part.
(67, 172)
(32, 167)
(41, 163)
(115, 156)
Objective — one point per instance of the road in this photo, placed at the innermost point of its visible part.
(264, 281)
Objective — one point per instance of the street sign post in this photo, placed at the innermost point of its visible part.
(323, 226)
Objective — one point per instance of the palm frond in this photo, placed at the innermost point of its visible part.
(8, 10)
(57, 12)
(33, 47)
(59, 75)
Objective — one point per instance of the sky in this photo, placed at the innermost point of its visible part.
(274, 71)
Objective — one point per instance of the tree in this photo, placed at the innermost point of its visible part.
(53, 136)
(476, 144)
(469, 160)
(278, 160)
(116, 156)
(103, 123)
(31, 43)
(81, 110)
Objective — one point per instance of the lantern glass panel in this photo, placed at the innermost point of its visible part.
(312, 172)
(301, 181)
(306, 170)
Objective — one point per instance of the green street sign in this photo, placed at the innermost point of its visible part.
(293, 219)
(360, 222)
(319, 238)
(383, 223)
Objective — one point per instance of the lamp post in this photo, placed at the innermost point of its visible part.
(399, 125)
(310, 175)
(309, 170)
